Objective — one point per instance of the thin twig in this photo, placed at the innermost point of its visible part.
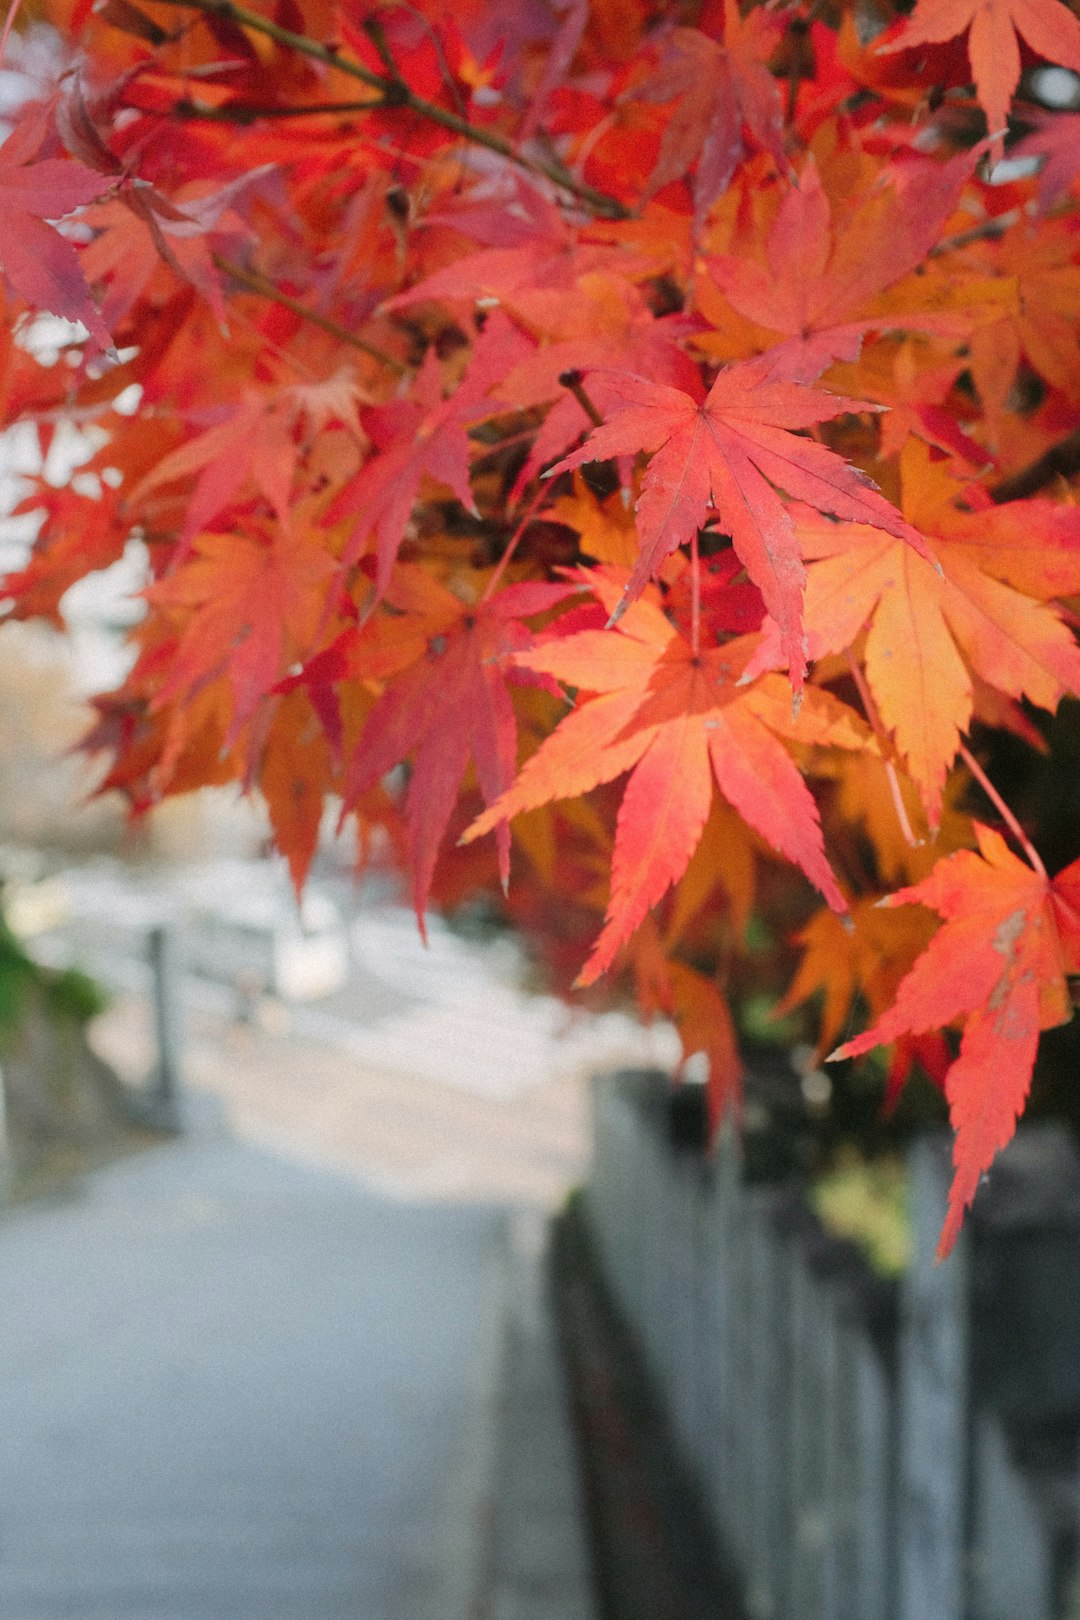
(373, 28)
(984, 232)
(234, 112)
(498, 447)
(436, 45)
(261, 284)
(1033, 857)
(395, 93)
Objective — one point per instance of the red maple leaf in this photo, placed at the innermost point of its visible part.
(250, 440)
(526, 248)
(730, 454)
(842, 262)
(78, 535)
(422, 437)
(448, 706)
(41, 265)
(717, 90)
(249, 607)
(140, 229)
(999, 962)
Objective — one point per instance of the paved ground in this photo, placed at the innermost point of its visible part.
(456, 1086)
(407, 1135)
(233, 1388)
(298, 1365)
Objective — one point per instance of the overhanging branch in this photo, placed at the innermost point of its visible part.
(394, 93)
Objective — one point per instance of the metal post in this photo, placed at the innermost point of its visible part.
(6, 1168)
(165, 1093)
(934, 1404)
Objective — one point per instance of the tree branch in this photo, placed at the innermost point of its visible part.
(257, 283)
(395, 93)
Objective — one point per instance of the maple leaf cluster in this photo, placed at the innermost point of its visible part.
(621, 455)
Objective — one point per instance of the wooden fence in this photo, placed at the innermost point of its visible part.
(865, 1449)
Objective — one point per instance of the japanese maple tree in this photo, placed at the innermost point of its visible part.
(625, 454)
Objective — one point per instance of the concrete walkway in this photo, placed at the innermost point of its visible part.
(299, 1365)
(233, 1387)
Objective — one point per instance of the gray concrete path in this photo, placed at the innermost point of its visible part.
(236, 1388)
(539, 1566)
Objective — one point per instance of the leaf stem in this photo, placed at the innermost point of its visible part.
(1034, 859)
(872, 713)
(257, 283)
(512, 544)
(571, 381)
(395, 93)
(695, 597)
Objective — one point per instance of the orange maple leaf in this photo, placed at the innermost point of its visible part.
(700, 1012)
(930, 629)
(993, 47)
(249, 607)
(999, 962)
(677, 721)
(605, 529)
(293, 778)
(842, 262)
(1037, 323)
(867, 956)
